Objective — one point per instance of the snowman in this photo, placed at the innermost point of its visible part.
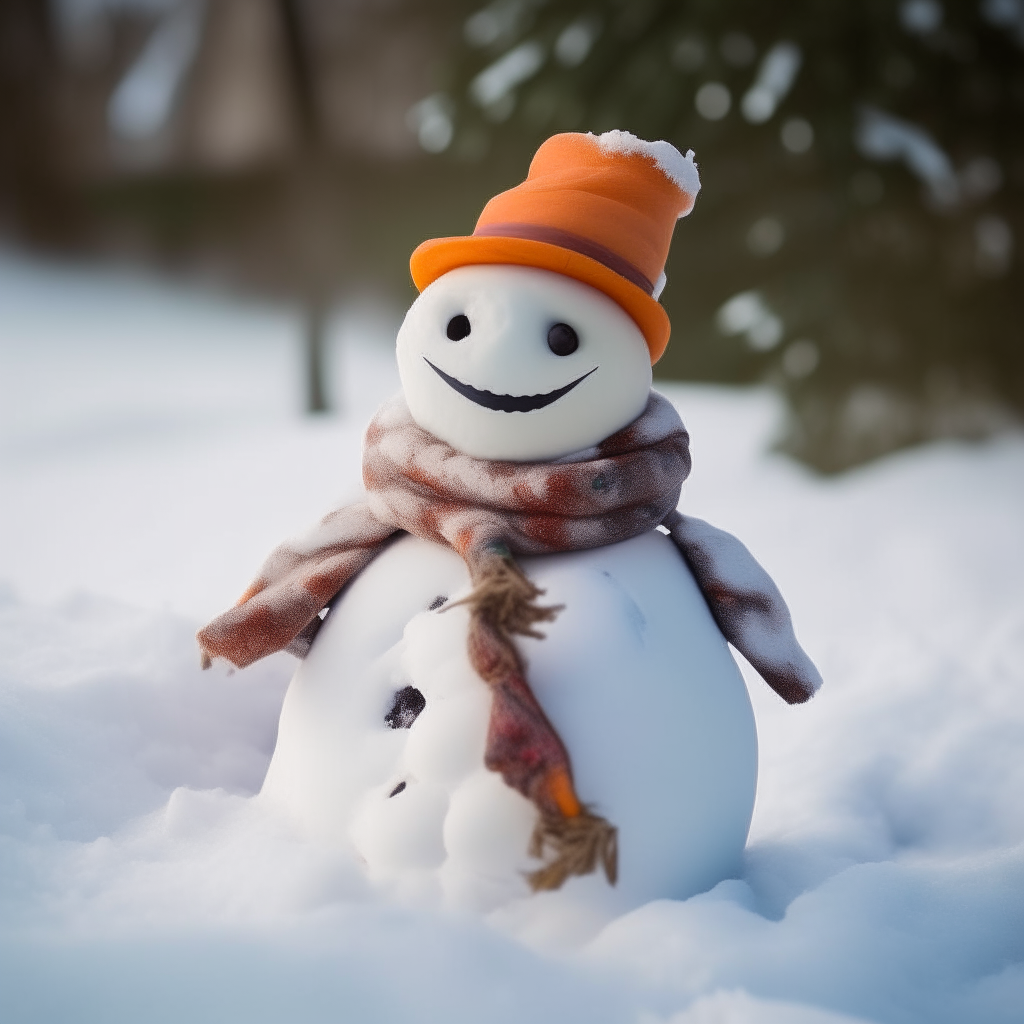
(515, 672)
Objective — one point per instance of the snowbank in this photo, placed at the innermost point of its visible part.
(150, 455)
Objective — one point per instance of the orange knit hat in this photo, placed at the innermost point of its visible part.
(598, 208)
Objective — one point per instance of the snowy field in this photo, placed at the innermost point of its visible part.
(151, 454)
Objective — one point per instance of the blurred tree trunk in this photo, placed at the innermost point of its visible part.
(28, 171)
(316, 245)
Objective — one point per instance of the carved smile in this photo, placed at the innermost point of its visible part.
(505, 403)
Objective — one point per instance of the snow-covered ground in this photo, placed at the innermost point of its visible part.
(151, 454)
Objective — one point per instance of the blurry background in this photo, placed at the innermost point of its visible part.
(856, 244)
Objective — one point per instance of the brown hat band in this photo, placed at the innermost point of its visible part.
(567, 240)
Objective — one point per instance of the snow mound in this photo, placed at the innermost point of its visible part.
(679, 169)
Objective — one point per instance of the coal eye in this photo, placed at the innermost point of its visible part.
(458, 327)
(563, 340)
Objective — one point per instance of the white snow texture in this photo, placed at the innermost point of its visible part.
(679, 169)
(151, 455)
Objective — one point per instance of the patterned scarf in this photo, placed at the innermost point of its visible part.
(490, 512)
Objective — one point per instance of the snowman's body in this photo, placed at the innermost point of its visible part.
(634, 675)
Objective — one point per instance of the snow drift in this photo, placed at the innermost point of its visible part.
(140, 880)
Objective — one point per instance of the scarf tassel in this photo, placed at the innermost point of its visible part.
(576, 846)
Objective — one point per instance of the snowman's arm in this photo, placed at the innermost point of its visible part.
(747, 606)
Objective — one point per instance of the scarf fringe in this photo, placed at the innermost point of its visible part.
(578, 845)
(505, 598)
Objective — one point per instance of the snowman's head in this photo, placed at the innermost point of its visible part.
(534, 337)
(508, 362)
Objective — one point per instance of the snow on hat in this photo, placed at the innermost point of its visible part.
(598, 208)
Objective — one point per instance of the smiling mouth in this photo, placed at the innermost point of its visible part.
(505, 403)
